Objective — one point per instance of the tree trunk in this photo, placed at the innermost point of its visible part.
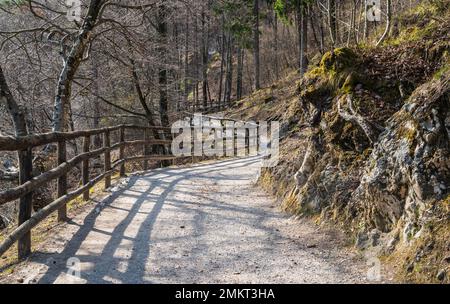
(388, 22)
(196, 64)
(311, 18)
(71, 65)
(360, 17)
(366, 23)
(176, 72)
(337, 12)
(204, 59)
(332, 21)
(256, 44)
(303, 39)
(186, 65)
(322, 35)
(25, 161)
(275, 42)
(162, 70)
(96, 104)
(222, 61)
(229, 77)
(240, 67)
(302, 28)
(351, 28)
(16, 112)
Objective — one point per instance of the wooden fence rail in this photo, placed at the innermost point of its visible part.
(28, 184)
(10, 143)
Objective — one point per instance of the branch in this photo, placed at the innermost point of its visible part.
(119, 107)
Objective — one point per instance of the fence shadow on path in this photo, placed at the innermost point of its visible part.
(106, 264)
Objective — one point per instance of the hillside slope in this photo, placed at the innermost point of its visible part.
(365, 144)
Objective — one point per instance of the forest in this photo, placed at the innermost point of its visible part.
(360, 88)
(159, 55)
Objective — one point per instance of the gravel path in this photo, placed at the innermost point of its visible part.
(206, 223)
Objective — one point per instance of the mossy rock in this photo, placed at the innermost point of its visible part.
(316, 93)
(332, 64)
(339, 60)
(408, 131)
(350, 83)
(315, 61)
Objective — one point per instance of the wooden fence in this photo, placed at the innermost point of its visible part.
(27, 183)
(211, 107)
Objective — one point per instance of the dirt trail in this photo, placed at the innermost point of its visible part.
(206, 223)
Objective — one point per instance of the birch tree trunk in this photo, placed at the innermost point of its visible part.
(388, 22)
(71, 65)
(332, 21)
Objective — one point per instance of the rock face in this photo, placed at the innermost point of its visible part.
(370, 158)
(366, 146)
(409, 167)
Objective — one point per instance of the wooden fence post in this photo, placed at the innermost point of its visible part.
(26, 201)
(235, 141)
(85, 166)
(193, 137)
(107, 167)
(257, 138)
(224, 136)
(62, 181)
(247, 142)
(122, 151)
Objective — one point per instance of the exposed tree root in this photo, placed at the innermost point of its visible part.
(371, 129)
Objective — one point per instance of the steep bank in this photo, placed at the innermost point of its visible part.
(365, 143)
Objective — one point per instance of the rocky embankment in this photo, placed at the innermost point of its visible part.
(365, 145)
